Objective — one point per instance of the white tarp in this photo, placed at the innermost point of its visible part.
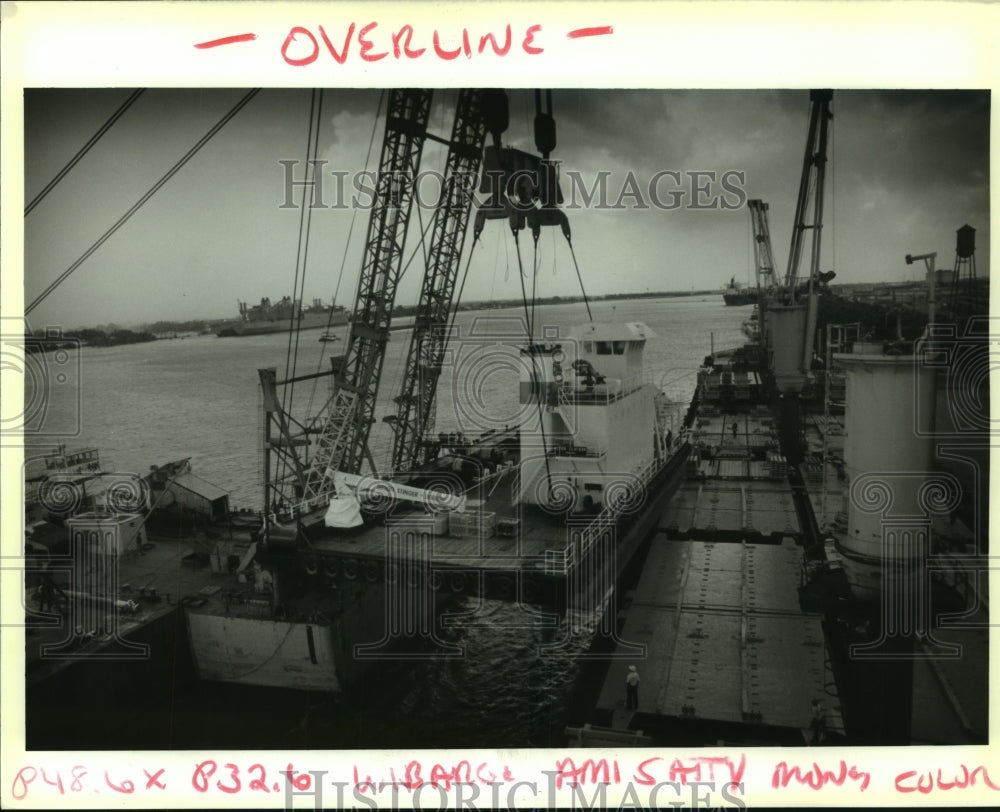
(344, 511)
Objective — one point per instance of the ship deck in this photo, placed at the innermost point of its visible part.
(737, 489)
(727, 648)
(495, 532)
(729, 653)
(158, 581)
(203, 575)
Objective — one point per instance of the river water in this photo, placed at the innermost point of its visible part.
(199, 397)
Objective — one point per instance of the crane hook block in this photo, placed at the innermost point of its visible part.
(495, 109)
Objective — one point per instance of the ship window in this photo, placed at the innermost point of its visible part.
(619, 348)
(588, 346)
(604, 348)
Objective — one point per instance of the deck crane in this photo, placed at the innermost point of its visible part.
(791, 319)
(763, 254)
(812, 179)
(763, 263)
(476, 112)
(342, 429)
(813, 175)
(339, 436)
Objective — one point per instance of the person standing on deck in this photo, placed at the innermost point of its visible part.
(735, 429)
(632, 688)
(818, 723)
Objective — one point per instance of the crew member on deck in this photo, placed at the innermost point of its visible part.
(632, 688)
(818, 723)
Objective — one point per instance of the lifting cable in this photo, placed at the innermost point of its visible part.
(524, 292)
(534, 284)
(302, 251)
(461, 288)
(554, 272)
(582, 289)
(576, 266)
(83, 150)
(347, 244)
(143, 200)
(421, 244)
(531, 355)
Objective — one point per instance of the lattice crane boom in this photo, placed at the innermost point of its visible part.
(414, 418)
(343, 441)
(763, 254)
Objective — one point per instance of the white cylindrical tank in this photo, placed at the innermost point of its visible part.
(887, 454)
(786, 326)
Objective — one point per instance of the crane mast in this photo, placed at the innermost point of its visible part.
(414, 418)
(338, 437)
(763, 255)
(788, 319)
(813, 174)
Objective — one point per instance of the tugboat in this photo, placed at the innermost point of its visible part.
(546, 514)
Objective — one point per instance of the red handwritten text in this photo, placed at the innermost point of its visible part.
(27, 776)
(230, 778)
(699, 768)
(415, 775)
(927, 782)
(817, 777)
(207, 776)
(588, 771)
(302, 47)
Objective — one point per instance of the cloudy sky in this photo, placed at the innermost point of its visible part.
(907, 169)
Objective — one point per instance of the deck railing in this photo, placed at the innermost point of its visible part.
(571, 393)
(580, 543)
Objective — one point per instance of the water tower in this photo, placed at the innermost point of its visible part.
(963, 289)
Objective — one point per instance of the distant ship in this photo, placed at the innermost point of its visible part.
(280, 316)
(734, 294)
